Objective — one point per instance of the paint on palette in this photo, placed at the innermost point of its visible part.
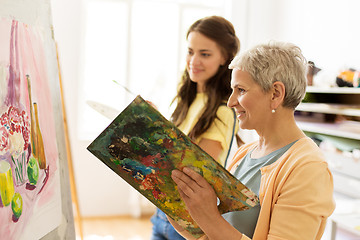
(142, 147)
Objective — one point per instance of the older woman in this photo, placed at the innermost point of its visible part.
(284, 167)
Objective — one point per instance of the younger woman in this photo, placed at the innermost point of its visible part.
(201, 110)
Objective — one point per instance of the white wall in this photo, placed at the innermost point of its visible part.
(326, 30)
(92, 178)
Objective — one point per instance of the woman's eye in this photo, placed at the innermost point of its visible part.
(241, 90)
(206, 55)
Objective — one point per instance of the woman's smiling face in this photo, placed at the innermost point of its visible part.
(249, 101)
(203, 59)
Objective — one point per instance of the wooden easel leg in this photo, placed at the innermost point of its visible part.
(74, 198)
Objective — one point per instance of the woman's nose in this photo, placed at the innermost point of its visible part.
(194, 60)
(230, 102)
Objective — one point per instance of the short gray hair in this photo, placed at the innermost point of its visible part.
(276, 61)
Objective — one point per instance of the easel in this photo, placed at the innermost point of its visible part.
(74, 198)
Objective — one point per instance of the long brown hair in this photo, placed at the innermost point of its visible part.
(217, 88)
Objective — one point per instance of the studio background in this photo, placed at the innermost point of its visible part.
(141, 44)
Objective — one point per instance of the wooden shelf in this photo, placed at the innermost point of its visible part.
(346, 130)
(334, 90)
(343, 101)
(343, 136)
(339, 109)
(343, 165)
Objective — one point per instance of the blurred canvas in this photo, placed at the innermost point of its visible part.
(30, 205)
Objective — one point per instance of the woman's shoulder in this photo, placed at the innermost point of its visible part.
(306, 146)
(304, 152)
(223, 106)
(224, 111)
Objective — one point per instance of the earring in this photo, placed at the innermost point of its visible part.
(273, 111)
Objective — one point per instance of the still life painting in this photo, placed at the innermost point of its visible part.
(29, 179)
(143, 147)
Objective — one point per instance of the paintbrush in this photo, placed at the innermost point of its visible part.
(106, 110)
(126, 89)
(132, 93)
(103, 109)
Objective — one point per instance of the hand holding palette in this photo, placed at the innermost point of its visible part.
(143, 147)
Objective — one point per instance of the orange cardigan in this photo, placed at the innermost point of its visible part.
(296, 193)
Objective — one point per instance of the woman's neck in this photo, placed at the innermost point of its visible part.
(279, 134)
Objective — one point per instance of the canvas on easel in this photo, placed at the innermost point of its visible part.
(31, 203)
(143, 147)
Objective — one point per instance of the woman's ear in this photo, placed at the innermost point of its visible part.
(278, 94)
(223, 60)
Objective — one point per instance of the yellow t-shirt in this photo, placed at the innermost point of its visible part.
(220, 130)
